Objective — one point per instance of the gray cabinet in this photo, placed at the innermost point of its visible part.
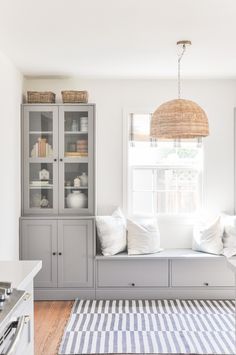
(132, 273)
(65, 247)
(195, 273)
(58, 159)
(39, 242)
(58, 196)
(75, 253)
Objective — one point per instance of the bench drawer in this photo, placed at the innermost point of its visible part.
(131, 273)
(201, 273)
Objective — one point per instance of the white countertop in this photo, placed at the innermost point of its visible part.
(19, 273)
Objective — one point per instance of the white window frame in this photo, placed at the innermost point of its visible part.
(126, 176)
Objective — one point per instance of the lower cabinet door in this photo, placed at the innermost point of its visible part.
(39, 242)
(75, 253)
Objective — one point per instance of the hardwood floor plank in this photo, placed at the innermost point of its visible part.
(50, 320)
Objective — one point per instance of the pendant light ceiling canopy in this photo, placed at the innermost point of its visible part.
(179, 118)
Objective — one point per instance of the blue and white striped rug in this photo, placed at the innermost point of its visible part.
(150, 327)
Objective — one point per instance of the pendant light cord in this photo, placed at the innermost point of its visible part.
(179, 60)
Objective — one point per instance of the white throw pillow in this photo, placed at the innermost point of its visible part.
(229, 236)
(111, 232)
(143, 237)
(207, 237)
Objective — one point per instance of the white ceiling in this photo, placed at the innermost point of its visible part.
(119, 38)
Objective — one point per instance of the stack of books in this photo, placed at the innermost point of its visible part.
(82, 147)
(41, 148)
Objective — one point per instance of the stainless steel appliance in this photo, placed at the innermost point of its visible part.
(14, 323)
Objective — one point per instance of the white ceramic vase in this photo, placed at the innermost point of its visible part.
(77, 199)
(84, 179)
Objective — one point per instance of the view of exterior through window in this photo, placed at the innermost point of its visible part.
(164, 177)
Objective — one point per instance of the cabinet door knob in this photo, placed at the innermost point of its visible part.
(206, 284)
(60, 253)
(27, 319)
(54, 253)
(61, 159)
(26, 296)
(133, 284)
(55, 159)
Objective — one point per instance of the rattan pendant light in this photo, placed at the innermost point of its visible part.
(179, 118)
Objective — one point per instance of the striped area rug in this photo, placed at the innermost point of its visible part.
(150, 327)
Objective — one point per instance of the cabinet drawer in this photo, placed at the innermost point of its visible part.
(131, 273)
(201, 273)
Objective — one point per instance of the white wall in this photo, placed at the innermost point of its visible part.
(10, 99)
(217, 97)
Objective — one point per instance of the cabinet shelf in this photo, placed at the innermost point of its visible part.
(76, 132)
(76, 188)
(44, 187)
(41, 160)
(40, 132)
(76, 159)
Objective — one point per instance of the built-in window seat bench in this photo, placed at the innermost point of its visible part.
(173, 273)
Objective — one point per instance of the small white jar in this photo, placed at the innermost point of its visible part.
(77, 182)
(84, 124)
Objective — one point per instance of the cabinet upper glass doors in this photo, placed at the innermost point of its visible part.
(40, 159)
(58, 159)
(76, 159)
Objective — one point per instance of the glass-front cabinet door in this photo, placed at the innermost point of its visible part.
(40, 173)
(76, 163)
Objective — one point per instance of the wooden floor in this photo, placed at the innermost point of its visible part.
(50, 320)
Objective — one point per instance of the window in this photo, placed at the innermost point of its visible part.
(164, 177)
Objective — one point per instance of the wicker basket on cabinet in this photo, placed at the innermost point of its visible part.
(73, 96)
(37, 97)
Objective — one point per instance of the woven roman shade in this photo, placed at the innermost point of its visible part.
(179, 119)
(139, 130)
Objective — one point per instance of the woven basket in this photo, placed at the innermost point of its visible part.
(74, 96)
(37, 97)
